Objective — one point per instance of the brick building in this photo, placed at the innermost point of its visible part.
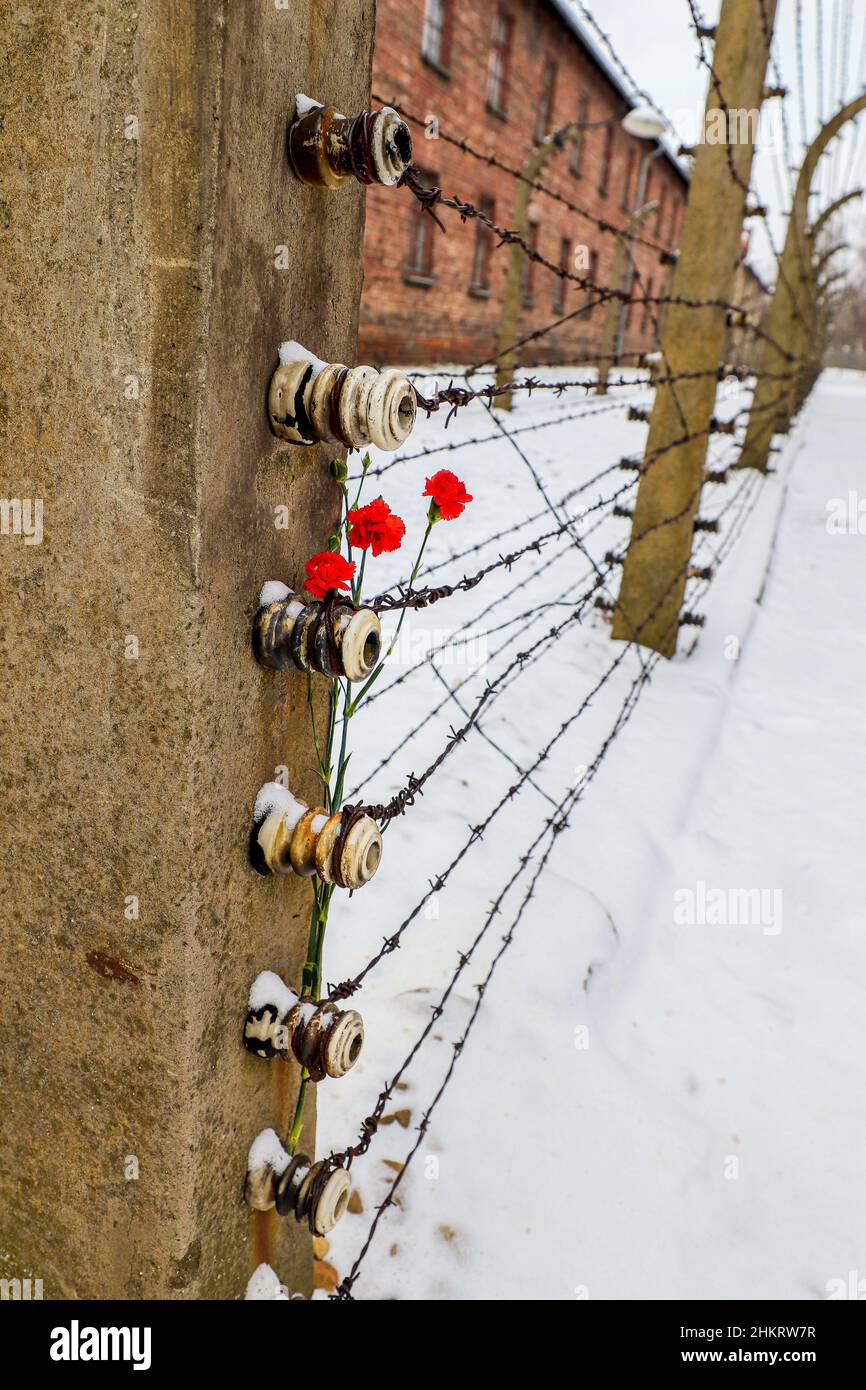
(502, 74)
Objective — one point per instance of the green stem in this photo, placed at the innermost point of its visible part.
(298, 1118)
(381, 666)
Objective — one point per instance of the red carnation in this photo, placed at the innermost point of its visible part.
(448, 493)
(327, 570)
(376, 526)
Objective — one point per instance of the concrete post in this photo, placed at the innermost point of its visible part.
(157, 249)
(693, 340)
(787, 313)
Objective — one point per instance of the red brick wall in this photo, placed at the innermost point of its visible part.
(404, 321)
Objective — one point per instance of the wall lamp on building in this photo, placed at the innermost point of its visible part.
(322, 1037)
(312, 402)
(290, 836)
(326, 148)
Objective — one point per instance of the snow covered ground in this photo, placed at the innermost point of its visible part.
(662, 1094)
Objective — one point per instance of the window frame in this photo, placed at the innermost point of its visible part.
(606, 162)
(420, 270)
(440, 60)
(546, 100)
(482, 251)
(498, 104)
(560, 289)
(578, 145)
(527, 288)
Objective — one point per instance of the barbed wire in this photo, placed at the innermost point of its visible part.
(553, 825)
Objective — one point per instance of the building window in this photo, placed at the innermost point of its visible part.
(675, 215)
(576, 160)
(544, 119)
(479, 284)
(499, 71)
(648, 308)
(435, 42)
(419, 260)
(625, 199)
(660, 210)
(606, 159)
(529, 268)
(591, 294)
(561, 285)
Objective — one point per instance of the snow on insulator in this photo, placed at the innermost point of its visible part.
(290, 836)
(308, 1191)
(264, 1286)
(311, 401)
(291, 632)
(326, 148)
(320, 1036)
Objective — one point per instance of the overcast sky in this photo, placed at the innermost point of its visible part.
(658, 45)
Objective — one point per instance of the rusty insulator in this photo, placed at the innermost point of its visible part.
(326, 148)
(291, 632)
(290, 836)
(309, 1191)
(311, 402)
(320, 1036)
(703, 523)
(637, 412)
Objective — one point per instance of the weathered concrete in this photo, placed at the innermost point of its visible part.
(786, 321)
(693, 339)
(148, 265)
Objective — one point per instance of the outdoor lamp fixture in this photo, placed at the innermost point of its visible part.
(645, 122)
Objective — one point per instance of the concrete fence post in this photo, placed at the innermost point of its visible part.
(156, 250)
(786, 317)
(693, 340)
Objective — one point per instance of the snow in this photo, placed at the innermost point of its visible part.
(275, 797)
(303, 104)
(264, 1286)
(268, 988)
(267, 1148)
(273, 591)
(295, 352)
(644, 1108)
